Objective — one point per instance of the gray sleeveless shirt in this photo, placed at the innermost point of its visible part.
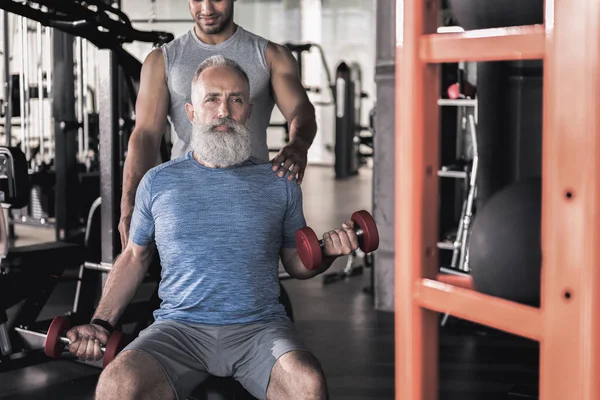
(182, 57)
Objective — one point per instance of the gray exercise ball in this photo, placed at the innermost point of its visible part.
(478, 14)
(505, 254)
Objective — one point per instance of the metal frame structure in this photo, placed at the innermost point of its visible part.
(6, 109)
(110, 169)
(568, 321)
(65, 135)
(118, 73)
(66, 19)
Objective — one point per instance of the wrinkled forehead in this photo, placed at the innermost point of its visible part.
(222, 79)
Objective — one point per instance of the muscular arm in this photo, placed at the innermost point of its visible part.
(290, 95)
(124, 279)
(144, 144)
(293, 102)
(293, 265)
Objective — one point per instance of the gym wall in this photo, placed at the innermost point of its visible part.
(345, 30)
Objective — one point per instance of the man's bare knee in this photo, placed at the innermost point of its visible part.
(297, 375)
(133, 375)
(312, 377)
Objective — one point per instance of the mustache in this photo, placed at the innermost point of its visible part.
(225, 121)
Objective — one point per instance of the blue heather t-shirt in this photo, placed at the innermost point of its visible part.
(219, 233)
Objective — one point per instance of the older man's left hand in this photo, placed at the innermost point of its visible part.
(293, 155)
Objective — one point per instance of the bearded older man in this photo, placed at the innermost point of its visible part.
(221, 221)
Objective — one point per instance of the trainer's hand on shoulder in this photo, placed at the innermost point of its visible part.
(341, 241)
(293, 155)
(86, 341)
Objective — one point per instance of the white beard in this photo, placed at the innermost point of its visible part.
(221, 149)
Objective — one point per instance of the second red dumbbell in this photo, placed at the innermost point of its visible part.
(310, 248)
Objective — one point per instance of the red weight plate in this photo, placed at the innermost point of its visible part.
(370, 240)
(116, 343)
(309, 249)
(53, 347)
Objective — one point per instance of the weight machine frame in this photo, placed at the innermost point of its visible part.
(116, 65)
(567, 323)
(83, 19)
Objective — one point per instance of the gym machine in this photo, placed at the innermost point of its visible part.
(298, 49)
(68, 253)
(350, 138)
(64, 162)
(28, 274)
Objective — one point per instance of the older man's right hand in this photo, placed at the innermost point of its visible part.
(86, 341)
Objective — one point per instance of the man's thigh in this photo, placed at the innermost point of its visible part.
(251, 352)
(134, 374)
(183, 352)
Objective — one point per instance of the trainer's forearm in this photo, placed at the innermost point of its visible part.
(123, 282)
(142, 154)
(303, 124)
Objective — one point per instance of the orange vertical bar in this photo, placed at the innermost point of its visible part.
(570, 348)
(416, 193)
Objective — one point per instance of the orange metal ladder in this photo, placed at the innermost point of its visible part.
(567, 324)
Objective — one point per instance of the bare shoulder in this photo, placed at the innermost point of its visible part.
(153, 67)
(279, 56)
(155, 59)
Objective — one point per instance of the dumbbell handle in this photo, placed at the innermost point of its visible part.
(64, 340)
(359, 234)
(67, 342)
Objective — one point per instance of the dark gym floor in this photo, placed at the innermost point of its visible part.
(354, 342)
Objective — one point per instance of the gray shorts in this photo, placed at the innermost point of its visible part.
(188, 353)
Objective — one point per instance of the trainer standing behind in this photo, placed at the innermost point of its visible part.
(164, 90)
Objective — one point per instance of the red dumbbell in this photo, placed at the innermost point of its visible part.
(55, 341)
(310, 248)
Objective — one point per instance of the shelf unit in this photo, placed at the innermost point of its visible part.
(568, 321)
(458, 245)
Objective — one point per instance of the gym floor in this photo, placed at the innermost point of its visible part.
(354, 342)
